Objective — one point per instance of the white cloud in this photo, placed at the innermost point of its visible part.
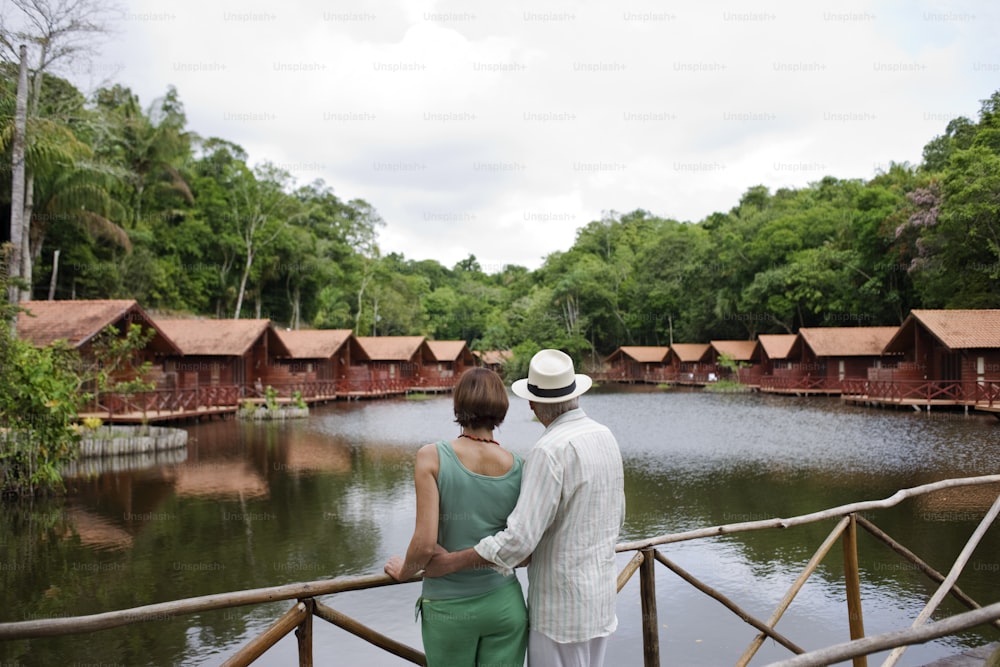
(499, 129)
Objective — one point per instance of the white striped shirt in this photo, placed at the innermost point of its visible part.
(567, 518)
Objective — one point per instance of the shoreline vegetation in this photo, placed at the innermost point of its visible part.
(272, 409)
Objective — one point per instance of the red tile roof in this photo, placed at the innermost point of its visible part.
(77, 322)
(448, 350)
(314, 343)
(390, 348)
(689, 351)
(847, 341)
(217, 338)
(644, 354)
(961, 329)
(739, 350)
(777, 346)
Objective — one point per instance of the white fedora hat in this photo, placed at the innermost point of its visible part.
(551, 379)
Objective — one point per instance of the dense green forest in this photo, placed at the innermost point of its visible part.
(138, 205)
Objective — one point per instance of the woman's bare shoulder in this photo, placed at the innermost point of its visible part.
(427, 456)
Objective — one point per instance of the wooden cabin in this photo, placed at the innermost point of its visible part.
(494, 359)
(688, 363)
(314, 355)
(636, 363)
(943, 356)
(775, 350)
(451, 358)
(746, 353)
(389, 365)
(780, 359)
(223, 353)
(80, 324)
(836, 354)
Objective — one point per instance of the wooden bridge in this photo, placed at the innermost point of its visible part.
(645, 555)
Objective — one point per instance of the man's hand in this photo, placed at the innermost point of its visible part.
(440, 563)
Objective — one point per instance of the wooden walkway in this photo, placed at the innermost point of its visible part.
(915, 403)
(192, 404)
(800, 391)
(193, 414)
(156, 416)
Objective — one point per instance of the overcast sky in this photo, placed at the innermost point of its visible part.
(499, 128)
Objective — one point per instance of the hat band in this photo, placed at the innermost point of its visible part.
(551, 393)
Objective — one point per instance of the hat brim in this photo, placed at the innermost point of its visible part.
(520, 389)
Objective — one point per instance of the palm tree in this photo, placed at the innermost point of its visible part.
(151, 148)
(63, 181)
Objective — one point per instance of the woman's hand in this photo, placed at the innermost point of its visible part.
(394, 568)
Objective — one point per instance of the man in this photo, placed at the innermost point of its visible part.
(567, 520)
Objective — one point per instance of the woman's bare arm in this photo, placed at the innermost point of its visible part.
(425, 531)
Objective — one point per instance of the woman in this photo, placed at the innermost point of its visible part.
(465, 490)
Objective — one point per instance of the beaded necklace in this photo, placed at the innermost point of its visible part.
(477, 439)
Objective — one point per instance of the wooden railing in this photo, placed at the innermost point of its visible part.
(845, 530)
(799, 383)
(646, 376)
(191, 400)
(646, 555)
(986, 393)
(160, 401)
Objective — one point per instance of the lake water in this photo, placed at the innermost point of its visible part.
(255, 505)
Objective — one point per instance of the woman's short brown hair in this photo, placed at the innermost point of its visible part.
(480, 399)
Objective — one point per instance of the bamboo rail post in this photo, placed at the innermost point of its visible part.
(371, 636)
(956, 569)
(629, 570)
(922, 565)
(650, 624)
(794, 590)
(831, 513)
(729, 604)
(919, 635)
(304, 634)
(852, 583)
(268, 638)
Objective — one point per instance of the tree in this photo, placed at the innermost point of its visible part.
(54, 31)
(260, 207)
(150, 147)
(363, 237)
(69, 188)
(18, 169)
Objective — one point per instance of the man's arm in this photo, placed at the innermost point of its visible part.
(529, 519)
(445, 562)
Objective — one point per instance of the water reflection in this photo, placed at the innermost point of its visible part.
(253, 505)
